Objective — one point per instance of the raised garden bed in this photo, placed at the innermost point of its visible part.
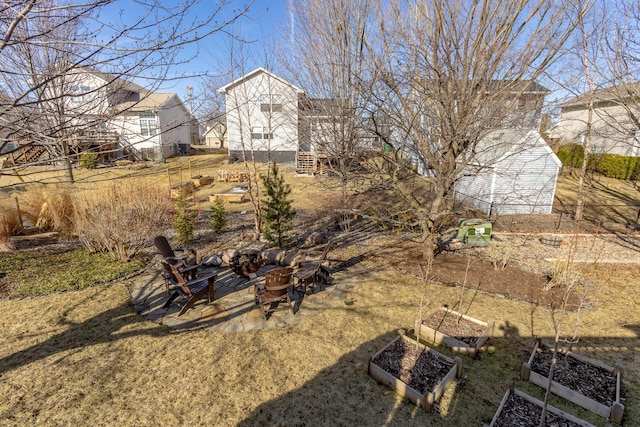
(200, 180)
(460, 332)
(414, 371)
(586, 382)
(520, 409)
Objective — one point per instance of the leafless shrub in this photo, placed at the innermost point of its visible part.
(121, 220)
(500, 256)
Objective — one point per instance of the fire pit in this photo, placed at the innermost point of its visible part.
(246, 263)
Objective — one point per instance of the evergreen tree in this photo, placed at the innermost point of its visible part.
(277, 213)
(218, 216)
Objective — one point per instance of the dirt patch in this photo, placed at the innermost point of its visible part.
(480, 275)
(455, 326)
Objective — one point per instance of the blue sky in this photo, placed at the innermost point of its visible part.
(258, 27)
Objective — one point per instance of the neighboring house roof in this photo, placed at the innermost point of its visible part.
(117, 82)
(148, 102)
(323, 106)
(611, 93)
(224, 89)
(520, 86)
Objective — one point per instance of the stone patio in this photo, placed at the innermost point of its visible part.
(233, 308)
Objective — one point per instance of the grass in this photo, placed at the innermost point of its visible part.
(30, 273)
(84, 357)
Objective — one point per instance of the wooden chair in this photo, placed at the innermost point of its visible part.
(192, 289)
(275, 290)
(311, 271)
(183, 262)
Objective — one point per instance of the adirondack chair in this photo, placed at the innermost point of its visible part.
(191, 289)
(275, 290)
(187, 259)
(311, 271)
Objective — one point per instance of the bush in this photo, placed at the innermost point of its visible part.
(185, 220)
(88, 160)
(609, 165)
(49, 209)
(121, 219)
(615, 166)
(218, 216)
(571, 155)
(9, 225)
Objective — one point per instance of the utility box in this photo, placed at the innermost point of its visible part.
(474, 231)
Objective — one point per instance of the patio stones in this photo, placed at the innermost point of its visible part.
(234, 308)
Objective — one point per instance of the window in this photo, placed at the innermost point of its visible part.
(80, 94)
(271, 104)
(148, 124)
(261, 132)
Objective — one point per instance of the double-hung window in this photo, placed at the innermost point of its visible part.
(148, 124)
(271, 103)
(261, 132)
(80, 94)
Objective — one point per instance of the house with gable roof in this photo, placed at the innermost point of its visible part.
(270, 119)
(615, 123)
(111, 116)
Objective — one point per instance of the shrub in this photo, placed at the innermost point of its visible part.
(185, 220)
(9, 225)
(49, 209)
(616, 166)
(277, 212)
(121, 219)
(571, 155)
(218, 216)
(88, 160)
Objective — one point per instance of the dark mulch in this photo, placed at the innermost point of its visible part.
(522, 413)
(420, 369)
(480, 275)
(591, 381)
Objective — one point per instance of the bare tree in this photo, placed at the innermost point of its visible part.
(327, 55)
(448, 73)
(46, 45)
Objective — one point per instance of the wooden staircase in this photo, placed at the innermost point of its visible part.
(27, 154)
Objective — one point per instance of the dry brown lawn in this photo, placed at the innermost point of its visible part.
(85, 357)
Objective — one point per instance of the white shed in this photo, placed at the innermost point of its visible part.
(514, 172)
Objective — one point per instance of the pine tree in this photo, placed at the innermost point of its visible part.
(277, 213)
(218, 216)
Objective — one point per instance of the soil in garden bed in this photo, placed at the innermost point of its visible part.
(522, 413)
(591, 381)
(455, 326)
(417, 367)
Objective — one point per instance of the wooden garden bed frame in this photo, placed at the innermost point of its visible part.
(613, 412)
(425, 400)
(429, 334)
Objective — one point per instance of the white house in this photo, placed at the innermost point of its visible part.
(614, 127)
(215, 135)
(111, 115)
(514, 172)
(262, 117)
